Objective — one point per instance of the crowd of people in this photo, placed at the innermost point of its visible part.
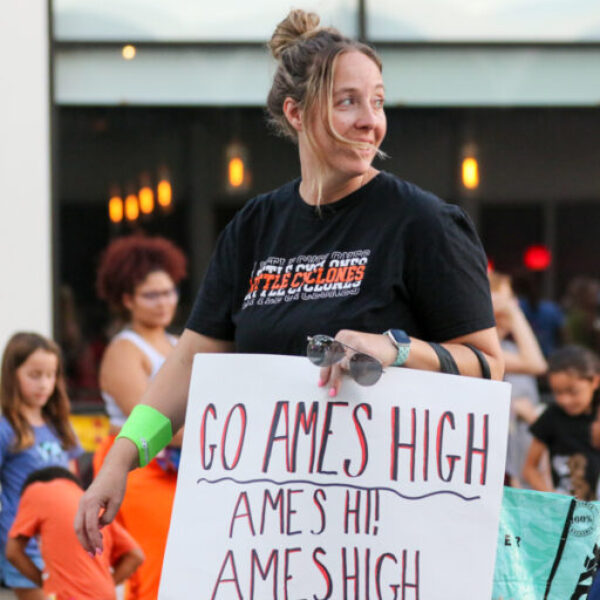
(420, 297)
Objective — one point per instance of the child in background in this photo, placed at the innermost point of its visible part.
(564, 427)
(34, 433)
(523, 362)
(47, 509)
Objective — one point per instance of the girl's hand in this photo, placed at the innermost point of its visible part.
(505, 303)
(374, 344)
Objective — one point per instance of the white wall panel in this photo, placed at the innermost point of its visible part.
(25, 256)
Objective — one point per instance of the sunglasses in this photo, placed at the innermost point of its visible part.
(324, 351)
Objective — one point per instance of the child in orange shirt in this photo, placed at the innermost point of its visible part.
(49, 502)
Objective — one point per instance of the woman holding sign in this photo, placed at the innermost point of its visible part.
(369, 260)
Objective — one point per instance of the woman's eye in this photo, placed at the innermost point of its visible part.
(346, 102)
(379, 103)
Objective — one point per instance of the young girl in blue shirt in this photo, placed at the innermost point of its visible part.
(34, 433)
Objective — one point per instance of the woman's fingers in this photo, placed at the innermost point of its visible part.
(324, 376)
(376, 345)
(331, 377)
(87, 524)
(98, 507)
(335, 380)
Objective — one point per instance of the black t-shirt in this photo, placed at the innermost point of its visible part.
(387, 255)
(574, 462)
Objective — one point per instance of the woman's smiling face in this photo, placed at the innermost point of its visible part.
(357, 115)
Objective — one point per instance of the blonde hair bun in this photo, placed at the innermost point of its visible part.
(298, 25)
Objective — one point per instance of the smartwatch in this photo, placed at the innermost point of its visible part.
(401, 342)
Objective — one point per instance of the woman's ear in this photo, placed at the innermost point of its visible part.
(596, 382)
(127, 301)
(293, 113)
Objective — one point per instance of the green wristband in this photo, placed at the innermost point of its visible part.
(149, 430)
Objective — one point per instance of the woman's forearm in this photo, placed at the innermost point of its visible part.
(422, 356)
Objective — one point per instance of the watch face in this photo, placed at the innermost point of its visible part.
(400, 336)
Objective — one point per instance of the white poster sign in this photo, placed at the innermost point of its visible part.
(391, 492)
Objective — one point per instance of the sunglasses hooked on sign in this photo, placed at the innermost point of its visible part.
(324, 351)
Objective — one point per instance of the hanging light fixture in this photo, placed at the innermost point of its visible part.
(469, 167)
(115, 206)
(164, 191)
(132, 207)
(146, 195)
(238, 175)
(470, 173)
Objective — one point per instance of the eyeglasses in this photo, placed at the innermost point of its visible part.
(324, 351)
(154, 296)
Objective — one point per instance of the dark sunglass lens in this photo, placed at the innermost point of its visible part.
(315, 351)
(324, 351)
(365, 369)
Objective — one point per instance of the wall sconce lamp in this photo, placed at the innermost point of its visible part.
(238, 175)
(469, 167)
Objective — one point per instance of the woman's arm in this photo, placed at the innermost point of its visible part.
(421, 355)
(123, 374)
(167, 393)
(531, 469)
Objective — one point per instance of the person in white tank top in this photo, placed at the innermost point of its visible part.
(138, 277)
(156, 359)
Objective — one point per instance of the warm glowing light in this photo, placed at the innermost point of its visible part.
(491, 267)
(236, 172)
(470, 173)
(164, 193)
(537, 258)
(132, 208)
(146, 195)
(128, 52)
(115, 209)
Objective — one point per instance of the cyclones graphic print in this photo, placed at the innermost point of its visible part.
(331, 275)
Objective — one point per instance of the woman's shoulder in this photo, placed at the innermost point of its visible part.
(121, 346)
(122, 350)
(261, 210)
(267, 201)
(426, 213)
(410, 196)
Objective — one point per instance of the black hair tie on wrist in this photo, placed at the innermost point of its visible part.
(483, 363)
(447, 362)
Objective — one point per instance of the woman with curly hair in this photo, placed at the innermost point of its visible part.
(138, 277)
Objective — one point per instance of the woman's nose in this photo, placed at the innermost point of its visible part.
(367, 117)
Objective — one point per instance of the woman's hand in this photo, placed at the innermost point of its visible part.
(100, 503)
(374, 344)
(421, 355)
